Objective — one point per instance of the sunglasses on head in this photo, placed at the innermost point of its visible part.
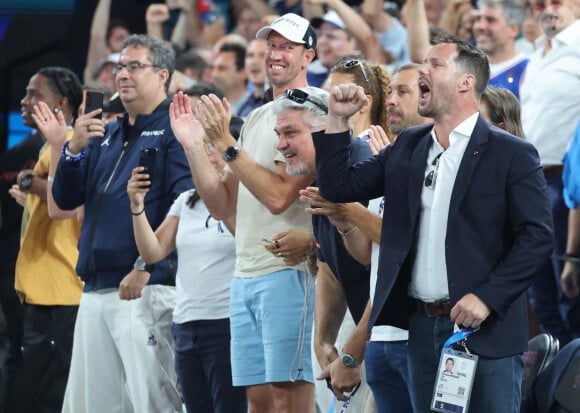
(299, 96)
(349, 64)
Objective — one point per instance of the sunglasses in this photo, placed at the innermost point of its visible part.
(349, 64)
(431, 177)
(299, 96)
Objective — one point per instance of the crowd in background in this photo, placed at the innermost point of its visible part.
(219, 49)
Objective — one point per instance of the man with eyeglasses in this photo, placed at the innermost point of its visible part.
(123, 348)
(271, 294)
(461, 250)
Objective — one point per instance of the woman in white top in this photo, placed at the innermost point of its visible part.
(205, 265)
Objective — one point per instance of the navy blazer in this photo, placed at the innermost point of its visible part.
(499, 228)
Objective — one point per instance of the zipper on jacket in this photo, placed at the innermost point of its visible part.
(99, 201)
(125, 144)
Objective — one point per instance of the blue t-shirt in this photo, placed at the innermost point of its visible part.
(510, 78)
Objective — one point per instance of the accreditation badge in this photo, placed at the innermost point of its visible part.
(454, 381)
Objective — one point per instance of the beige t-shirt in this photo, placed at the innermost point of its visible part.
(253, 221)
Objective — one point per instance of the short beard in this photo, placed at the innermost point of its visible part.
(300, 170)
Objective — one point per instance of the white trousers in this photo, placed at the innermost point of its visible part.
(123, 358)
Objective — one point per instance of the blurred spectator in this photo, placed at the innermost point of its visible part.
(433, 10)
(107, 36)
(334, 42)
(390, 33)
(256, 74)
(530, 32)
(105, 80)
(229, 74)
(247, 22)
(550, 98)
(194, 65)
(496, 28)
(501, 108)
(195, 92)
(458, 18)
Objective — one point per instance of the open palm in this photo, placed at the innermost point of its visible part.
(186, 128)
(52, 127)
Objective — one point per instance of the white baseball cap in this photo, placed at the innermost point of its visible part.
(292, 27)
(331, 17)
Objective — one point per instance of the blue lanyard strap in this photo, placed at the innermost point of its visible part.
(346, 403)
(459, 336)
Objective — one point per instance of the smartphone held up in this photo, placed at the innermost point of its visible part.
(94, 100)
(147, 159)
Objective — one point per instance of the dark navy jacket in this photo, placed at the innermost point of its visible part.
(107, 248)
(499, 228)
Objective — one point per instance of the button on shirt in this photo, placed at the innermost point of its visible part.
(429, 273)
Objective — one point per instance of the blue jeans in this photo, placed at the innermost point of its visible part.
(388, 376)
(497, 383)
(202, 363)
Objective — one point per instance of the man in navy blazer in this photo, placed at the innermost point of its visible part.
(467, 222)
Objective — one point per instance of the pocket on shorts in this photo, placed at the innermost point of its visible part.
(299, 280)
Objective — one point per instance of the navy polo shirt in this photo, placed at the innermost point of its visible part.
(353, 276)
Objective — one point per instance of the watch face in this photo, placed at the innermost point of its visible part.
(140, 264)
(25, 182)
(231, 153)
(349, 361)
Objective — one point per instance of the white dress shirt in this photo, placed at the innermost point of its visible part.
(429, 272)
(550, 95)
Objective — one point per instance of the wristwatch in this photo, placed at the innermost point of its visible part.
(231, 153)
(141, 265)
(26, 182)
(349, 361)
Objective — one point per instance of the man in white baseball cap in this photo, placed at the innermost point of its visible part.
(293, 27)
(272, 291)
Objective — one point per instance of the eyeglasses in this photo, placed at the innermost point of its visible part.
(431, 177)
(349, 64)
(131, 67)
(299, 96)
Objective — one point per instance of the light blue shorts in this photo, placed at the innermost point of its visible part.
(271, 324)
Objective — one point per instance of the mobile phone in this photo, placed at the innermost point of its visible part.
(147, 160)
(93, 101)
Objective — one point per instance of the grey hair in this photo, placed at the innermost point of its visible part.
(316, 116)
(160, 55)
(513, 10)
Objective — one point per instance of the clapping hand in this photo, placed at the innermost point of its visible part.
(187, 129)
